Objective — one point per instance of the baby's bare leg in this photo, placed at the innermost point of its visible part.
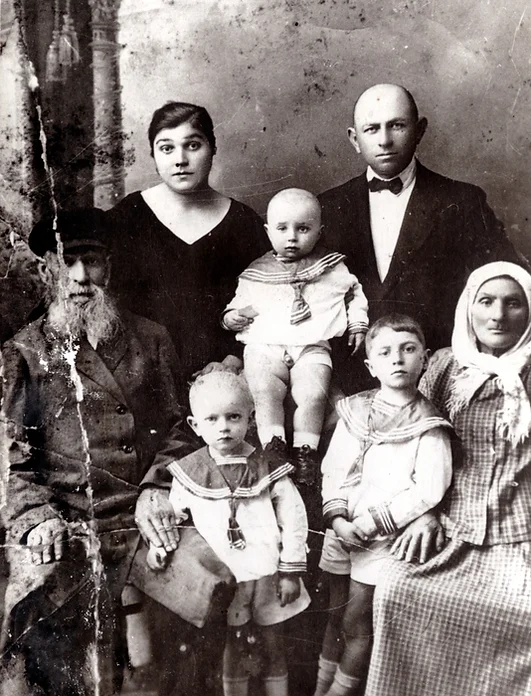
(268, 381)
(309, 388)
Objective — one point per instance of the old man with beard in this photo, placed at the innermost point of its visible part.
(89, 395)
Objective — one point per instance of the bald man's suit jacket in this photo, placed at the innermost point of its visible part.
(448, 231)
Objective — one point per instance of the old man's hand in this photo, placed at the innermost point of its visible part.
(47, 540)
(156, 520)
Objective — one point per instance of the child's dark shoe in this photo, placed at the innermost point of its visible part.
(275, 452)
(306, 462)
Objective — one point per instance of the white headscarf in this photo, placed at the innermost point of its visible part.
(516, 412)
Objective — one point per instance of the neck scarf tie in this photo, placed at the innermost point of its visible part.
(300, 309)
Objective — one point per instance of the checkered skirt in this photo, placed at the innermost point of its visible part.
(460, 625)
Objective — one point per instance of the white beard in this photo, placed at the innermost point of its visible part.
(96, 318)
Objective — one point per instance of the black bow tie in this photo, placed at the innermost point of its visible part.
(393, 185)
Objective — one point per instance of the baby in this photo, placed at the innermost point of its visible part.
(287, 306)
(252, 516)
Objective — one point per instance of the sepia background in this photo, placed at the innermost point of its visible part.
(279, 78)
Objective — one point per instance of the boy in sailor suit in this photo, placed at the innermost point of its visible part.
(287, 306)
(389, 461)
(248, 510)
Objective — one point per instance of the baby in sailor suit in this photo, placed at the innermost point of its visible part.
(249, 511)
(287, 306)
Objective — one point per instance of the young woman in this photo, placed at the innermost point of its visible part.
(460, 623)
(180, 245)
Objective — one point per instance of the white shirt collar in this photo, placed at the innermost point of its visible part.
(407, 175)
(247, 450)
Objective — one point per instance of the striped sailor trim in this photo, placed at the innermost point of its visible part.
(285, 567)
(353, 479)
(300, 315)
(224, 492)
(357, 425)
(307, 275)
(337, 507)
(358, 326)
(383, 519)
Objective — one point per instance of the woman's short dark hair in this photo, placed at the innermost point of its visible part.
(174, 114)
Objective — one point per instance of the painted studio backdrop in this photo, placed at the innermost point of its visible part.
(79, 80)
(279, 79)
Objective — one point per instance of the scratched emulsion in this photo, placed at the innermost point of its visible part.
(88, 533)
(279, 78)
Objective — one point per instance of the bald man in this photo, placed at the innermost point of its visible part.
(411, 236)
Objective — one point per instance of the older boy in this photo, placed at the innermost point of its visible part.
(389, 461)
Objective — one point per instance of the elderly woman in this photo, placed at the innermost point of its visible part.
(461, 623)
(180, 245)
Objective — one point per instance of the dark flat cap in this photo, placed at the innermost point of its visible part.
(76, 228)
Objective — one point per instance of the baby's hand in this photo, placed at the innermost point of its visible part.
(356, 339)
(288, 589)
(364, 526)
(236, 320)
(157, 558)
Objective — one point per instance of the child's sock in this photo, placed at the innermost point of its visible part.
(325, 676)
(276, 686)
(267, 432)
(344, 685)
(310, 439)
(235, 686)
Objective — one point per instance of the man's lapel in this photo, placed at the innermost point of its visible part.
(362, 244)
(99, 365)
(416, 227)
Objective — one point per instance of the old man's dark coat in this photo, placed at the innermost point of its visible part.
(83, 427)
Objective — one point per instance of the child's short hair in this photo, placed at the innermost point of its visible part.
(220, 380)
(396, 322)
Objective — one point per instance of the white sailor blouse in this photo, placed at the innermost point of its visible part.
(299, 302)
(393, 462)
(249, 512)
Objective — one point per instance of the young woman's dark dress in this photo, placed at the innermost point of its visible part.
(184, 287)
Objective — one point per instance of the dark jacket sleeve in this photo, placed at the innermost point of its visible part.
(30, 500)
